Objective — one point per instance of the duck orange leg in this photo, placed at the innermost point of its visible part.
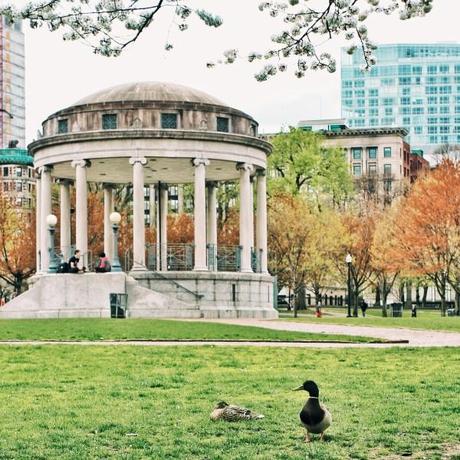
(307, 437)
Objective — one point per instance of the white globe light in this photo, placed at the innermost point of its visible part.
(348, 259)
(51, 220)
(115, 218)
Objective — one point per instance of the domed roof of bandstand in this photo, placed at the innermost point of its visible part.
(149, 91)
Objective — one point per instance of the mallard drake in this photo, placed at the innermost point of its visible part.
(314, 416)
(230, 413)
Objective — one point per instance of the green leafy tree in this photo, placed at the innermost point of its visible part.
(299, 164)
(112, 25)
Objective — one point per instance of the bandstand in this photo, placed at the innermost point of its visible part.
(153, 135)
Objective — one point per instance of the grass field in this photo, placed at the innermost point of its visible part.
(138, 329)
(427, 319)
(85, 402)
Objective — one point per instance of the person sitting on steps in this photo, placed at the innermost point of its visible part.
(103, 265)
(74, 261)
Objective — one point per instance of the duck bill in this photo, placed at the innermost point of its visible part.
(298, 388)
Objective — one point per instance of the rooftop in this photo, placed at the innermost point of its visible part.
(15, 157)
(149, 91)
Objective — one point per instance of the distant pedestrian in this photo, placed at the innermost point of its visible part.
(414, 310)
(364, 307)
(103, 266)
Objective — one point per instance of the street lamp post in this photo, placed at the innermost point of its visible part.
(349, 260)
(115, 219)
(53, 266)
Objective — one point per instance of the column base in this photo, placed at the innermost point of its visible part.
(247, 270)
(139, 268)
(201, 269)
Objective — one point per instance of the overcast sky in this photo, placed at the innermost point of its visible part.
(59, 73)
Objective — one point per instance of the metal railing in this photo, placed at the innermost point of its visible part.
(229, 258)
(181, 257)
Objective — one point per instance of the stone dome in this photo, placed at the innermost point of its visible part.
(150, 91)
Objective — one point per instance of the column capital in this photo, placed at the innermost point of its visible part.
(80, 163)
(44, 169)
(212, 184)
(244, 167)
(65, 181)
(108, 186)
(200, 161)
(261, 172)
(163, 186)
(141, 160)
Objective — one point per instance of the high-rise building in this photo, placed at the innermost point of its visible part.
(12, 78)
(416, 87)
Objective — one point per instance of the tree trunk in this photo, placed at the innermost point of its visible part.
(301, 305)
(457, 303)
(377, 295)
(417, 295)
(384, 299)
(401, 292)
(355, 301)
(408, 302)
(424, 296)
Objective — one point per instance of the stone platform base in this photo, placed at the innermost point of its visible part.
(216, 294)
(150, 295)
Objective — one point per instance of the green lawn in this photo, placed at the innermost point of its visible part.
(121, 402)
(138, 329)
(425, 319)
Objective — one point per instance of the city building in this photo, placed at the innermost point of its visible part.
(12, 82)
(17, 181)
(380, 159)
(415, 86)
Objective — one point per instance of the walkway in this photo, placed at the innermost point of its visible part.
(416, 338)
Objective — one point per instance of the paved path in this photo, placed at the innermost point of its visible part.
(416, 338)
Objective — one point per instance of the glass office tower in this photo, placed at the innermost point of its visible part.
(412, 86)
(12, 92)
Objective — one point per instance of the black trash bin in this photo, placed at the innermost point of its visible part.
(118, 305)
(397, 310)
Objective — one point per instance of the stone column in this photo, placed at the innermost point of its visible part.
(163, 227)
(180, 199)
(261, 220)
(251, 207)
(199, 213)
(65, 232)
(38, 221)
(138, 213)
(245, 216)
(212, 224)
(108, 209)
(81, 211)
(152, 205)
(45, 210)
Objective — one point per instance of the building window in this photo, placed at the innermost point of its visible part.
(372, 168)
(387, 152)
(387, 170)
(63, 126)
(109, 121)
(5, 171)
(357, 170)
(356, 153)
(372, 153)
(418, 130)
(169, 120)
(223, 124)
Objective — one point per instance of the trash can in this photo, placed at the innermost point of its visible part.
(451, 312)
(396, 310)
(118, 305)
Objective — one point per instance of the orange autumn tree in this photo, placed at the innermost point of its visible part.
(428, 229)
(360, 227)
(386, 271)
(289, 231)
(17, 245)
